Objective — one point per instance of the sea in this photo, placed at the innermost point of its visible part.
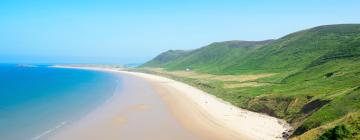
(38, 100)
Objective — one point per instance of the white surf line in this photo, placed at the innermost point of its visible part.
(118, 84)
(49, 131)
(64, 122)
(116, 90)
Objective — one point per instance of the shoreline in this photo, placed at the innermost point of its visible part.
(204, 114)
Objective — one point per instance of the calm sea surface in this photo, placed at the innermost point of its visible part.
(37, 101)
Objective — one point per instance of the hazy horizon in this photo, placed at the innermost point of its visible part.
(136, 31)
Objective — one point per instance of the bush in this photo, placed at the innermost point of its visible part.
(337, 133)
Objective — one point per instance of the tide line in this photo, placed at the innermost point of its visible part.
(49, 131)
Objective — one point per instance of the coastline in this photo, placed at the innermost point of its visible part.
(39, 101)
(204, 114)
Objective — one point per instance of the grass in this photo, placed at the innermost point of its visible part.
(310, 78)
(334, 130)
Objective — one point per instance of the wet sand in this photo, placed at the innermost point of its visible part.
(135, 112)
(150, 107)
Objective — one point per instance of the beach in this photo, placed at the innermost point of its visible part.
(151, 107)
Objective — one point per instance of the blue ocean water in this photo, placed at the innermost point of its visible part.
(35, 101)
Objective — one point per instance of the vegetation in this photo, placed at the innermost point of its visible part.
(311, 78)
(339, 132)
(166, 57)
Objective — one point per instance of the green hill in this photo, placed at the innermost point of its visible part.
(166, 57)
(316, 81)
(208, 58)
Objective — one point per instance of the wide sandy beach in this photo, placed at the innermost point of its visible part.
(150, 107)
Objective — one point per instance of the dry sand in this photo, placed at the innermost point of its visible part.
(151, 107)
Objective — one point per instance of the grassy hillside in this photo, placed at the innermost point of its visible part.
(166, 57)
(313, 77)
(208, 58)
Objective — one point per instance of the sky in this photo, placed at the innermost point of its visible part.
(134, 31)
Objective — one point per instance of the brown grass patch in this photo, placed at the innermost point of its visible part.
(224, 78)
(247, 84)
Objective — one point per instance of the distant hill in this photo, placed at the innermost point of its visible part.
(317, 81)
(208, 58)
(166, 57)
(294, 51)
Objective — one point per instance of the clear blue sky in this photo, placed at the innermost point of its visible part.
(70, 31)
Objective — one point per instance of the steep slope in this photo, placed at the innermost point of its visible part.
(297, 50)
(294, 51)
(316, 85)
(166, 57)
(208, 58)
